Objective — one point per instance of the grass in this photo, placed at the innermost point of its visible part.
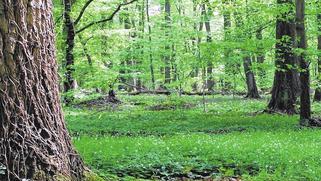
(133, 142)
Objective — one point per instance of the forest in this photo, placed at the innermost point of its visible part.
(160, 90)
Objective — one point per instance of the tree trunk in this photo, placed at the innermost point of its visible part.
(260, 55)
(167, 59)
(139, 61)
(209, 69)
(305, 109)
(151, 59)
(196, 51)
(317, 95)
(86, 52)
(252, 90)
(34, 142)
(229, 67)
(285, 86)
(69, 82)
(125, 70)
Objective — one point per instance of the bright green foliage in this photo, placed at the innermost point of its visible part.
(129, 119)
(171, 136)
(118, 52)
(134, 141)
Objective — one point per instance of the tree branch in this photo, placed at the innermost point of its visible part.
(107, 19)
(82, 11)
(58, 19)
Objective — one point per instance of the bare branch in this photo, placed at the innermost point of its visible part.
(83, 11)
(107, 19)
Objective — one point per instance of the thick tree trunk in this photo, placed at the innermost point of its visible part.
(34, 142)
(69, 82)
(285, 87)
(317, 95)
(305, 109)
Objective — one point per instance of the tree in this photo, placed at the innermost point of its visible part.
(72, 30)
(69, 29)
(285, 86)
(305, 110)
(195, 45)
(167, 57)
(140, 29)
(252, 90)
(34, 142)
(151, 59)
(317, 95)
(209, 70)
(229, 66)
(260, 55)
(125, 64)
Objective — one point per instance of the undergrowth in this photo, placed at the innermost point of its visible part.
(230, 139)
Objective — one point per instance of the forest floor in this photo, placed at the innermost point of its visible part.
(172, 138)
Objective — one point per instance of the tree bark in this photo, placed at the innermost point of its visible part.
(229, 67)
(317, 95)
(69, 28)
(141, 29)
(305, 108)
(285, 86)
(167, 59)
(34, 142)
(151, 59)
(260, 55)
(252, 91)
(195, 44)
